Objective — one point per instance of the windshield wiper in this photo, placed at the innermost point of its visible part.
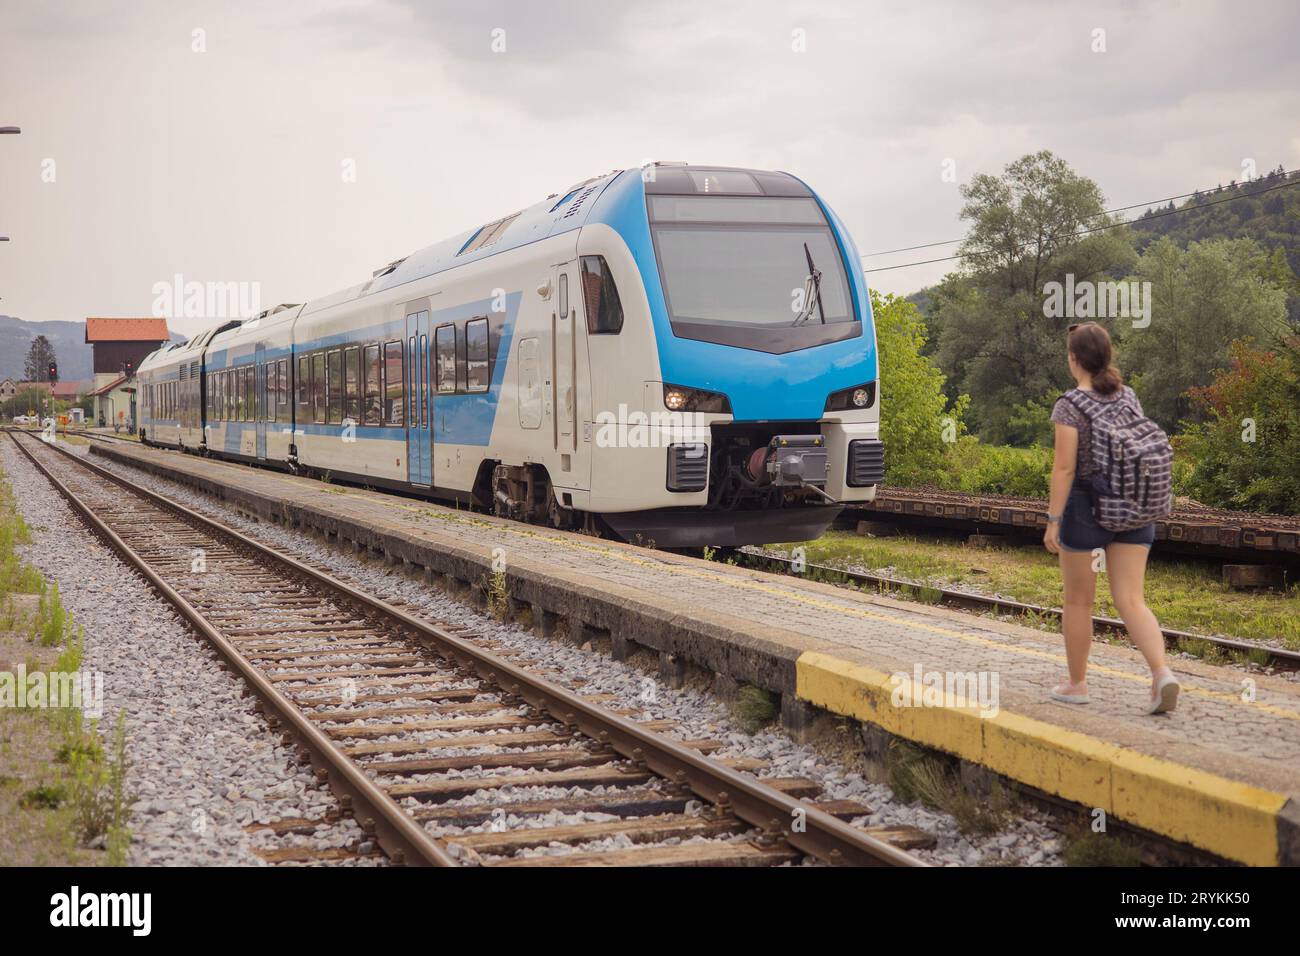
(812, 286)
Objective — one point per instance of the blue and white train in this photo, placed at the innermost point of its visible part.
(680, 355)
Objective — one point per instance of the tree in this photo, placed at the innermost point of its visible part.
(1265, 209)
(1246, 450)
(39, 357)
(914, 413)
(1203, 299)
(996, 343)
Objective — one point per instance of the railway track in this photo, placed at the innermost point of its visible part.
(1189, 528)
(1280, 658)
(412, 722)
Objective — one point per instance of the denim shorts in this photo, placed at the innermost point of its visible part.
(1080, 531)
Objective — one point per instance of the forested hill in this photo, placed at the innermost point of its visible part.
(68, 339)
(1266, 209)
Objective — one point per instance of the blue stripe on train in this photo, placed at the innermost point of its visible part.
(464, 419)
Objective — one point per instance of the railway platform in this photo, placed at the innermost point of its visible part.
(1221, 774)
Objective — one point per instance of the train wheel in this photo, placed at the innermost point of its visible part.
(561, 518)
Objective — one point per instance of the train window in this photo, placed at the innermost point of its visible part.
(246, 373)
(564, 295)
(228, 389)
(477, 376)
(414, 417)
(318, 387)
(604, 310)
(487, 235)
(282, 391)
(424, 380)
(393, 394)
(334, 376)
(372, 389)
(722, 181)
(352, 384)
(268, 392)
(304, 380)
(444, 346)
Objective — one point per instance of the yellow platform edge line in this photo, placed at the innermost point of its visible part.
(1234, 820)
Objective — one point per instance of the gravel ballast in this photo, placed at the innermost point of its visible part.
(1028, 838)
(203, 764)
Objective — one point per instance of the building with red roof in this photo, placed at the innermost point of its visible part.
(119, 345)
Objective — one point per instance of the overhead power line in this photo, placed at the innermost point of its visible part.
(1084, 232)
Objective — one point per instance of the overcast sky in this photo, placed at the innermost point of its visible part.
(228, 164)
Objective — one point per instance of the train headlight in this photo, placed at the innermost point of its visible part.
(852, 399)
(679, 398)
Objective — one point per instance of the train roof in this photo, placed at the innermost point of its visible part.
(557, 213)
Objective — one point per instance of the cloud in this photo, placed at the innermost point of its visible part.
(226, 165)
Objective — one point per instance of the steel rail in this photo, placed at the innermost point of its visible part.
(1278, 656)
(401, 837)
(781, 817)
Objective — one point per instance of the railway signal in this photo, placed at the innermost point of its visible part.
(54, 371)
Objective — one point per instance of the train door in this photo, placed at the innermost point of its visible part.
(419, 446)
(564, 398)
(569, 396)
(259, 400)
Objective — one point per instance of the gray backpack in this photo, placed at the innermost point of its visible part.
(1132, 485)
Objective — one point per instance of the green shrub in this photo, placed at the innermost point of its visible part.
(976, 468)
(1245, 452)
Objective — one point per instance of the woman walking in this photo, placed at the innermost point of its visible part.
(1074, 534)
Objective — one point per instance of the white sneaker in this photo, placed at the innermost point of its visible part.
(1166, 699)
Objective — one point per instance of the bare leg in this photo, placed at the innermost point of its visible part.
(1126, 566)
(1076, 623)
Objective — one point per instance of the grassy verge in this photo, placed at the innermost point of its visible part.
(63, 797)
(1184, 595)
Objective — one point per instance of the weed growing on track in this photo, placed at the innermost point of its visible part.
(1086, 847)
(76, 795)
(754, 708)
(915, 775)
(97, 788)
(496, 594)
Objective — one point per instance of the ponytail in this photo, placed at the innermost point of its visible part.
(1090, 345)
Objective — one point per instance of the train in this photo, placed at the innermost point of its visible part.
(674, 355)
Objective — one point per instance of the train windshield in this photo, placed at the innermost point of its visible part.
(742, 261)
